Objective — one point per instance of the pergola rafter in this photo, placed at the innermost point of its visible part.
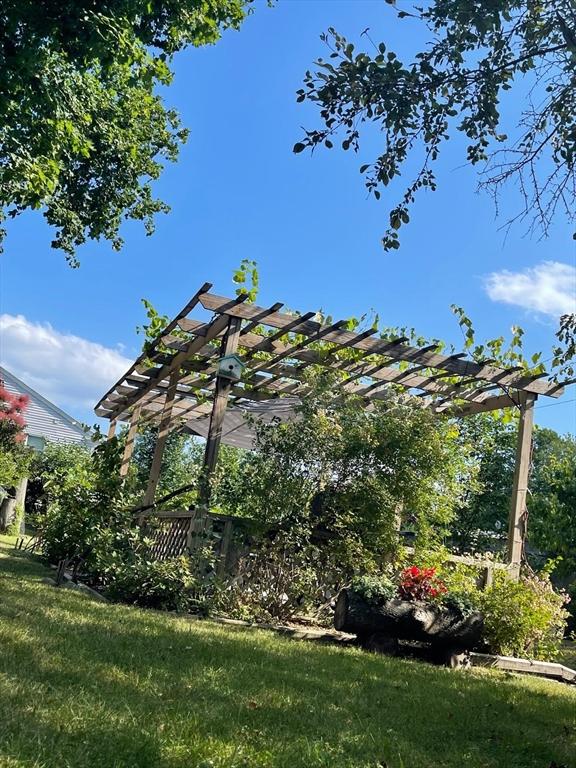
(176, 381)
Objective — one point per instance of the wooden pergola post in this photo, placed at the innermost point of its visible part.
(517, 523)
(111, 429)
(163, 432)
(223, 387)
(130, 439)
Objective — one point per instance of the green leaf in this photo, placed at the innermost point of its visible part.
(298, 147)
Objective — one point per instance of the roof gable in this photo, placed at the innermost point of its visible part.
(44, 418)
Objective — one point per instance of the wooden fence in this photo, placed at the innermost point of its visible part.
(176, 532)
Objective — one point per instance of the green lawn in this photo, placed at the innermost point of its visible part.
(87, 684)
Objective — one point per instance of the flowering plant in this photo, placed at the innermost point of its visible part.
(12, 416)
(14, 456)
(420, 584)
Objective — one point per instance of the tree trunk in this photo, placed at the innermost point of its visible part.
(408, 620)
(6, 512)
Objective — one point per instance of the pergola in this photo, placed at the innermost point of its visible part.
(189, 378)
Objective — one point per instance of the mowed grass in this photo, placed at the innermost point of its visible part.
(87, 684)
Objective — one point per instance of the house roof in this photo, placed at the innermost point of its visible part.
(36, 425)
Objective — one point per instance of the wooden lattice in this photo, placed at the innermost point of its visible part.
(170, 536)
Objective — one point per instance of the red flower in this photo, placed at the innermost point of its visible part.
(420, 584)
(11, 415)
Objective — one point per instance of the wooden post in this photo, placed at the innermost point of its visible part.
(130, 438)
(163, 432)
(517, 523)
(224, 548)
(223, 387)
(111, 429)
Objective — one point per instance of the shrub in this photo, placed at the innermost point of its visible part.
(523, 618)
(375, 588)
(334, 483)
(82, 499)
(14, 528)
(15, 457)
(462, 587)
(347, 473)
(161, 584)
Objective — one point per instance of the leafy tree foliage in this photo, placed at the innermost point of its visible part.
(83, 130)
(349, 475)
(565, 351)
(477, 52)
(552, 506)
(180, 464)
(483, 522)
(59, 467)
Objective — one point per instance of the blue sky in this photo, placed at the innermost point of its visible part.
(238, 192)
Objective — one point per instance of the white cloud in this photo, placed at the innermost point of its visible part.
(548, 288)
(70, 371)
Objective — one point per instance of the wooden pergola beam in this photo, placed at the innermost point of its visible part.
(406, 353)
(487, 404)
(383, 374)
(223, 388)
(262, 317)
(215, 328)
(130, 439)
(161, 438)
(170, 327)
(407, 378)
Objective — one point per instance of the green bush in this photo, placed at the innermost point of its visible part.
(375, 588)
(162, 584)
(350, 473)
(15, 526)
(83, 498)
(523, 618)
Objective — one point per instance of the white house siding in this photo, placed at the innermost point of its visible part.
(43, 418)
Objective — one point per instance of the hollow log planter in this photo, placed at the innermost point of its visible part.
(379, 625)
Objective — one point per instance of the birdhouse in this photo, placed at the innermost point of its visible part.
(230, 367)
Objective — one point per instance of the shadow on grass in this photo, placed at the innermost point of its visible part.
(103, 685)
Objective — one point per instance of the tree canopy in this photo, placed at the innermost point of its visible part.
(482, 522)
(83, 130)
(478, 50)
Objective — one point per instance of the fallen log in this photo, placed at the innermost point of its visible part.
(407, 620)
